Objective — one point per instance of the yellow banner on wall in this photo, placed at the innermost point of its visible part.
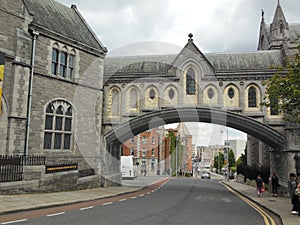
(2, 61)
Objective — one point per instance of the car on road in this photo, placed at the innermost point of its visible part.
(205, 175)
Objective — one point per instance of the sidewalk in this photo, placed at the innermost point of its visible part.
(280, 205)
(23, 202)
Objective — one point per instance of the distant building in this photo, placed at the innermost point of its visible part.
(238, 147)
(151, 150)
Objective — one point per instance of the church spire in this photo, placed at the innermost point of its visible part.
(279, 21)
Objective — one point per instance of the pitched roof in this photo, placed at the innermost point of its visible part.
(135, 67)
(63, 20)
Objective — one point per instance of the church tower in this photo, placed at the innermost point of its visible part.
(274, 35)
(279, 29)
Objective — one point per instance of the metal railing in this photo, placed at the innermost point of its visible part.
(11, 167)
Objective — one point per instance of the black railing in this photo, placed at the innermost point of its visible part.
(11, 167)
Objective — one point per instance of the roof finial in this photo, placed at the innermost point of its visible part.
(262, 13)
(190, 37)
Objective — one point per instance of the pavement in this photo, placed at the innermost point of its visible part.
(24, 202)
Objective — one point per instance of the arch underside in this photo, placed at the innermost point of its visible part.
(263, 132)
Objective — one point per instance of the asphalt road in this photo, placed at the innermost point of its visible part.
(180, 201)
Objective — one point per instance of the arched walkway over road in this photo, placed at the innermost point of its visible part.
(261, 131)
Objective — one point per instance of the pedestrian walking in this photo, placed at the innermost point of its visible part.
(275, 184)
(260, 185)
(292, 185)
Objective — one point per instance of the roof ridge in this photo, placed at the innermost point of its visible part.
(74, 7)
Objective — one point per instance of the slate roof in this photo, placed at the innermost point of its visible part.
(157, 65)
(63, 20)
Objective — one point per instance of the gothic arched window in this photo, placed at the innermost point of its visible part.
(231, 92)
(133, 98)
(190, 82)
(152, 94)
(210, 93)
(115, 107)
(58, 129)
(274, 107)
(252, 97)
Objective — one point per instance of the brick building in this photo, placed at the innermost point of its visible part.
(151, 150)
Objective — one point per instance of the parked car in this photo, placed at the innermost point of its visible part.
(205, 175)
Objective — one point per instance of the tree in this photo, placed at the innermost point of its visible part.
(283, 89)
(219, 160)
(231, 158)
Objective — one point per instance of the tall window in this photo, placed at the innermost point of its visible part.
(190, 82)
(252, 97)
(63, 63)
(133, 98)
(274, 107)
(54, 61)
(71, 66)
(58, 126)
(115, 108)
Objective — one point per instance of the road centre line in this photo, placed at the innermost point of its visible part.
(14, 221)
(56, 214)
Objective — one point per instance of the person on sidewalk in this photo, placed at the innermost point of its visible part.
(292, 185)
(260, 185)
(298, 186)
(275, 184)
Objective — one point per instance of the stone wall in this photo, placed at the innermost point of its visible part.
(35, 180)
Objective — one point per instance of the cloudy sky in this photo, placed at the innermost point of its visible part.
(162, 26)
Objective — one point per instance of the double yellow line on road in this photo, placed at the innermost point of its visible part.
(267, 218)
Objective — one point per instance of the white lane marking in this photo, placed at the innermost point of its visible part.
(142, 195)
(133, 197)
(107, 203)
(148, 193)
(122, 200)
(14, 221)
(85, 208)
(56, 214)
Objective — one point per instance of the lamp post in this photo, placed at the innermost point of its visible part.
(227, 158)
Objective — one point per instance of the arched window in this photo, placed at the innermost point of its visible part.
(231, 92)
(210, 93)
(252, 97)
(71, 66)
(152, 94)
(58, 126)
(115, 108)
(274, 107)
(171, 93)
(190, 82)
(54, 66)
(133, 98)
(281, 26)
(63, 62)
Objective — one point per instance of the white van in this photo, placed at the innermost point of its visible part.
(128, 168)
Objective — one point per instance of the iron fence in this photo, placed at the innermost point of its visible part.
(11, 167)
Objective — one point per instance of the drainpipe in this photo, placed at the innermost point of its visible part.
(35, 34)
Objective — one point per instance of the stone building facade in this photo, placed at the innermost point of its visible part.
(53, 75)
(233, 81)
(59, 95)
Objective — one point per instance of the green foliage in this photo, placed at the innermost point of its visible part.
(231, 158)
(219, 161)
(284, 88)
